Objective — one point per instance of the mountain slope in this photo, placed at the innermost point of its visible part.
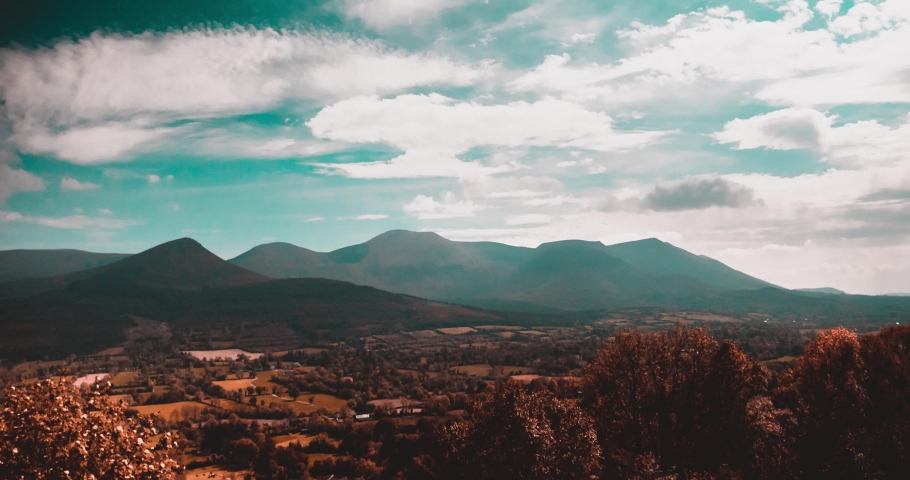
(25, 264)
(178, 264)
(184, 284)
(569, 275)
(654, 256)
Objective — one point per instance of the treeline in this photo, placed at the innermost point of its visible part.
(681, 405)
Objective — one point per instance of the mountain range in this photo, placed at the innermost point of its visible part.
(566, 275)
(185, 285)
(398, 280)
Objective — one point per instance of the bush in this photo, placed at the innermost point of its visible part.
(48, 430)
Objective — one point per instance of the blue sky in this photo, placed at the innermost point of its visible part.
(771, 135)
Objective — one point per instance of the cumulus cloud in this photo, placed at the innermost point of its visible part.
(867, 17)
(74, 222)
(698, 193)
(857, 144)
(369, 216)
(15, 180)
(127, 89)
(433, 129)
(790, 64)
(448, 206)
(583, 37)
(68, 183)
(154, 178)
(390, 13)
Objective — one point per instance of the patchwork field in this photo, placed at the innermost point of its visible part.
(168, 411)
(227, 354)
(299, 438)
(456, 330)
(123, 379)
(231, 385)
(484, 370)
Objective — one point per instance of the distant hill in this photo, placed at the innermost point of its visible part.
(572, 274)
(25, 264)
(184, 284)
(181, 264)
(825, 290)
(654, 256)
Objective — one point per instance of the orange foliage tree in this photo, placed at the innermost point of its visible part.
(679, 402)
(518, 435)
(49, 430)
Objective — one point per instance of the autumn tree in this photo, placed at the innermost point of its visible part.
(887, 360)
(680, 402)
(48, 430)
(850, 400)
(518, 435)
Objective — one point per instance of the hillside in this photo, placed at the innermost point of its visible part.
(183, 284)
(181, 264)
(571, 275)
(26, 264)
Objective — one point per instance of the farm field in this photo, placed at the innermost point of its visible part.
(226, 354)
(123, 378)
(456, 330)
(231, 385)
(285, 440)
(264, 379)
(168, 410)
(483, 370)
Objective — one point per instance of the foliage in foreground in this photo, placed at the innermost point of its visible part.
(681, 405)
(48, 430)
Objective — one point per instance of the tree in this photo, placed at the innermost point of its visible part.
(887, 359)
(677, 401)
(293, 392)
(518, 435)
(48, 430)
(826, 392)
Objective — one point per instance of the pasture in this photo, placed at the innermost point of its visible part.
(226, 354)
(168, 411)
(456, 330)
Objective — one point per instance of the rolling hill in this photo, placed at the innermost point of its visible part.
(26, 264)
(183, 284)
(569, 275)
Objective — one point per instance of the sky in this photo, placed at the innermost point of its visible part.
(772, 135)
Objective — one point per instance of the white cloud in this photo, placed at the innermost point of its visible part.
(584, 38)
(72, 184)
(433, 129)
(788, 64)
(15, 180)
(90, 145)
(369, 216)
(390, 13)
(575, 163)
(154, 178)
(855, 144)
(527, 219)
(105, 211)
(413, 164)
(596, 169)
(108, 95)
(75, 222)
(315, 219)
(448, 206)
(829, 8)
(866, 17)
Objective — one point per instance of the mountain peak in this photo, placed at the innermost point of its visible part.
(180, 264)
